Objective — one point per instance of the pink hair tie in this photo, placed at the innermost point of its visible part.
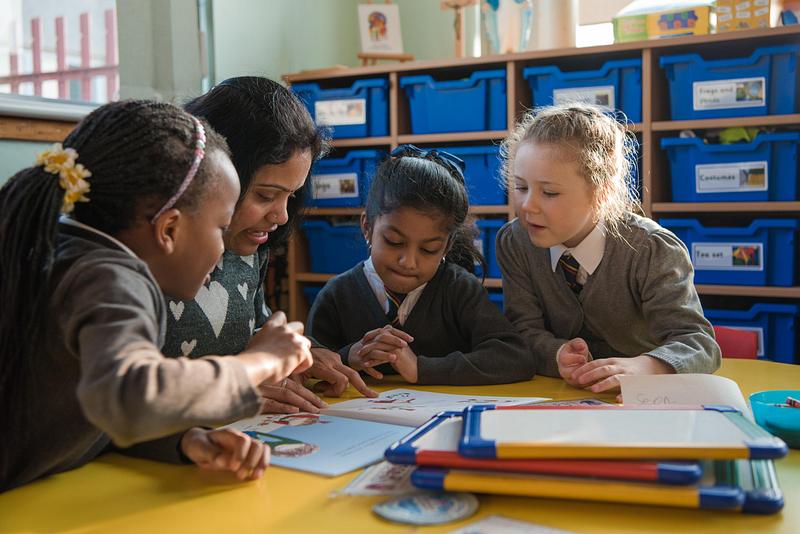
(199, 153)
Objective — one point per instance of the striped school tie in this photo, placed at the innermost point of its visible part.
(395, 300)
(569, 266)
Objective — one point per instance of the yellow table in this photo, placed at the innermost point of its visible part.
(119, 494)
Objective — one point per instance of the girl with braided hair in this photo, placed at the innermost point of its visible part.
(134, 203)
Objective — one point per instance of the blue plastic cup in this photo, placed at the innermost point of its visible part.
(771, 414)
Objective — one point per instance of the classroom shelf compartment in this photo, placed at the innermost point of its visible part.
(761, 254)
(775, 324)
(764, 83)
(616, 85)
(466, 105)
(334, 248)
(765, 169)
(482, 173)
(344, 182)
(361, 110)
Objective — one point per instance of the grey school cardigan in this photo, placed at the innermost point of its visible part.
(460, 337)
(640, 300)
(100, 377)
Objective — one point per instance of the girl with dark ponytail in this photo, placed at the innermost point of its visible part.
(414, 307)
(134, 202)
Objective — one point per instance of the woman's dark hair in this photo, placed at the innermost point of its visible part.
(430, 186)
(139, 153)
(264, 124)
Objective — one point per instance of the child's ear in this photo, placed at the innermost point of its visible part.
(365, 229)
(167, 230)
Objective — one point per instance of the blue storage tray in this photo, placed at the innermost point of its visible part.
(334, 249)
(344, 181)
(362, 110)
(765, 83)
(762, 254)
(488, 229)
(616, 85)
(497, 298)
(482, 174)
(776, 325)
(765, 169)
(474, 104)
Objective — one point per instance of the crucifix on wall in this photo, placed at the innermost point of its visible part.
(458, 24)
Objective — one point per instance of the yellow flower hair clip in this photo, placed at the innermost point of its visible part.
(71, 175)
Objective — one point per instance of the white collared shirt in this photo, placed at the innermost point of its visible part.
(77, 224)
(378, 288)
(589, 253)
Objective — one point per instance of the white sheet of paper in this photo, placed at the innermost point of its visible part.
(682, 389)
(412, 408)
(498, 524)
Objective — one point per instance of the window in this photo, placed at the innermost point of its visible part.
(59, 49)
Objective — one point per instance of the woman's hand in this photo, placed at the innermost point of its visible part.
(289, 396)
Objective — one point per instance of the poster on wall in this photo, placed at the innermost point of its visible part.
(379, 26)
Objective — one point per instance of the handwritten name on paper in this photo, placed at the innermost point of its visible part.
(686, 389)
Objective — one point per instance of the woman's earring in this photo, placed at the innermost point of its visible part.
(444, 258)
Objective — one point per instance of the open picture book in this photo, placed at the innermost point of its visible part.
(355, 433)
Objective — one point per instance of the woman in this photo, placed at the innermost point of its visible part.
(273, 142)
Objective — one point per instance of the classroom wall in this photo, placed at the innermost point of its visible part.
(276, 37)
(16, 155)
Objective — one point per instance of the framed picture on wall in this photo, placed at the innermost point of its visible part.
(379, 26)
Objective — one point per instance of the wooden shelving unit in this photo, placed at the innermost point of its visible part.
(655, 124)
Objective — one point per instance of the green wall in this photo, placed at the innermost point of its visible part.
(16, 155)
(276, 37)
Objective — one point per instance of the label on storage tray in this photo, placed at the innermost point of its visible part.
(602, 95)
(739, 177)
(341, 112)
(733, 93)
(343, 185)
(728, 256)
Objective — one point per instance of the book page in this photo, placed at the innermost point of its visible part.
(321, 444)
(413, 408)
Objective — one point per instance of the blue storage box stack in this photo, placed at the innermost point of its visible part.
(340, 182)
(765, 83)
(361, 110)
(761, 254)
(496, 296)
(765, 169)
(482, 174)
(487, 232)
(334, 248)
(776, 325)
(616, 85)
(476, 103)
